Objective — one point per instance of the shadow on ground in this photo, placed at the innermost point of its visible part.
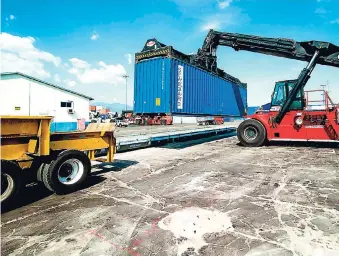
(302, 144)
(34, 192)
(116, 166)
(306, 144)
(183, 143)
(37, 191)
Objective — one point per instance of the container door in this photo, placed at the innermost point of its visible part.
(151, 90)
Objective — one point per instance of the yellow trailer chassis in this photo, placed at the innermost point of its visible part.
(60, 160)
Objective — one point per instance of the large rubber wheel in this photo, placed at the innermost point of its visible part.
(67, 172)
(10, 180)
(251, 133)
(41, 170)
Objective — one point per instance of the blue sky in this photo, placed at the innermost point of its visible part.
(87, 45)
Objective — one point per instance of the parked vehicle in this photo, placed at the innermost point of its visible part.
(60, 161)
(210, 120)
(121, 122)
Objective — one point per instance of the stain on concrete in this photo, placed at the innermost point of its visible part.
(277, 200)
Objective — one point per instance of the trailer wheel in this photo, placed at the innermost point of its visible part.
(251, 133)
(10, 180)
(43, 169)
(40, 172)
(67, 172)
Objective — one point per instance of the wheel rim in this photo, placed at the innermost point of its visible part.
(7, 185)
(250, 133)
(70, 171)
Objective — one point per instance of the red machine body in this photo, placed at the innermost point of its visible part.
(160, 120)
(219, 120)
(313, 125)
(291, 116)
(155, 120)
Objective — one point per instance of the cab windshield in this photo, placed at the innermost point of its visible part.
(281, 92)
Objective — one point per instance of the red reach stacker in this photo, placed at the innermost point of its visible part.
(291, 117)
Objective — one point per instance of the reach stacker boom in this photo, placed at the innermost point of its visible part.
(291, 117)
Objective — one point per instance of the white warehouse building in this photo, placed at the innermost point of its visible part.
(21, 94)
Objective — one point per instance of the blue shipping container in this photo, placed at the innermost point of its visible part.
(252, 109)
(266, 107)
(170, 86)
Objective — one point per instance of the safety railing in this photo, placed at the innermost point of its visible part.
(326, 102)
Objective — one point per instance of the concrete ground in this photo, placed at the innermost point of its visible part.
(208, 197)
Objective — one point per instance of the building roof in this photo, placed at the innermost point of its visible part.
(46, 83)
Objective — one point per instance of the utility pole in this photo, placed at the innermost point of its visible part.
(126, 76)
(324, 88)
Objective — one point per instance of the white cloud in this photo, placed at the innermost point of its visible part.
(73, 71)
(129, 58)
(20, 54)
(210, 25)
(11, 17)
(102, 64)
(224, 4)
(108, 74)
(320, 11)
(65, 65)
(335, 21)
(221, 20)
(70, 83)
(95, 36)
(79, 64)
(57, 78)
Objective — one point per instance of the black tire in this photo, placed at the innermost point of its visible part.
(251, 133)
(42, 167)
(43, 178)
(10, 180)
(67, 162)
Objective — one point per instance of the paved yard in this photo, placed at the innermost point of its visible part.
(212, 198)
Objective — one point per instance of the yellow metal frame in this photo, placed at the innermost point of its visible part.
(24, 136)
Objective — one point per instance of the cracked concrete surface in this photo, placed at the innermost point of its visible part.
(276, 200)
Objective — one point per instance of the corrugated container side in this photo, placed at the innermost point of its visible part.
(167, 85)
(252, 109)
(202, 93)
(243, 93)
